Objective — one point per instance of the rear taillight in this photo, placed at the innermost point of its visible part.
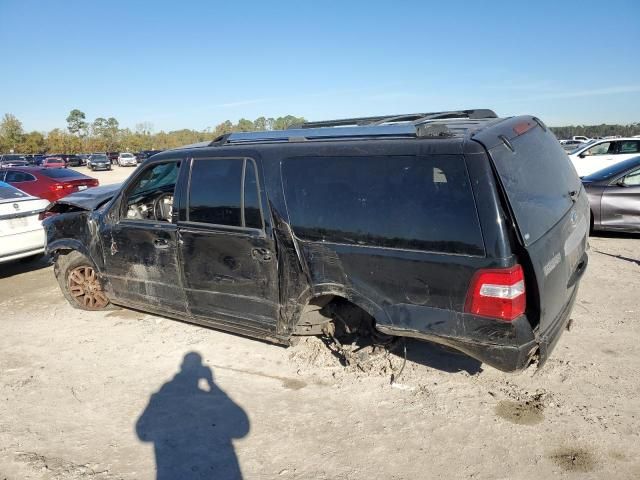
(94, 182)
(497, 293)
(56, 187)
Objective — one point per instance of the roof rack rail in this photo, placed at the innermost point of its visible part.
(315, 134)
(473, 114)
(391, 126)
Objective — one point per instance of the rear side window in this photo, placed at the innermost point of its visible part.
(537, 177)
(418, 203)
(15, 176)
(629, 146)
(216, 193)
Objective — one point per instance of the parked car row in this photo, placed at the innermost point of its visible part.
(123, 159)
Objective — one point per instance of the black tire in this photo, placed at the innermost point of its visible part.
(82, 289)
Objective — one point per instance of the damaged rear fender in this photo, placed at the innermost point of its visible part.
(336, 291)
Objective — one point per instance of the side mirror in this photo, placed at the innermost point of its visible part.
(621, 183)
(582, 155)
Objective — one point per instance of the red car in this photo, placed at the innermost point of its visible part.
(53, 162)
(48, 183)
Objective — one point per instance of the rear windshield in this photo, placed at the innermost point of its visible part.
(61, 173)
(537, 178)
(8, 192)
(407, 202)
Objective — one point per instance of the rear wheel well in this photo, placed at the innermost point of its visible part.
(331, 311)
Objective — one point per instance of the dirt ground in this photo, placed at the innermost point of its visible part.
(100, 395)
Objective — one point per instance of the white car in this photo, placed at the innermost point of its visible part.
(127, 160)
(599, 154)
(21, 232)
(580, 138)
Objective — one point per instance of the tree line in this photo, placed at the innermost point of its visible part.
(105, 134)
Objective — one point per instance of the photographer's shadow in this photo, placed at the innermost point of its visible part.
(192, 428)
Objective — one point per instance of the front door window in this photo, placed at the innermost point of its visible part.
(151, 197)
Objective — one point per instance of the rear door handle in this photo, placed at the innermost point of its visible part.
(161, 243)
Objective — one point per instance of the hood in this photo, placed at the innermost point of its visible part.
(91, 198)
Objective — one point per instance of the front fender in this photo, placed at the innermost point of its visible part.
(74, 231)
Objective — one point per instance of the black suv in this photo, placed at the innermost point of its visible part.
(454, 227)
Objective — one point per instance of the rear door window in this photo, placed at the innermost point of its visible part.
(216, 193)
(406, 202)
(538, 178)
(14, 176)
(629, 146)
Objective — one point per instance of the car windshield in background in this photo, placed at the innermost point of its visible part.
(613, 170)
(126, 155)
(7, 192)
(99, 158)
(61, 173)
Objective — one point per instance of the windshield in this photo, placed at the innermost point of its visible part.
(126, 155)
(97, 158)
(612, 171)
(7, 192)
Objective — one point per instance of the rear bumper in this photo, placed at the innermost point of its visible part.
(25, 244)
(516, 353)
(549, 337)
(507, 346)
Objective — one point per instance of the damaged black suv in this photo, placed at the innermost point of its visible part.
(459, 228)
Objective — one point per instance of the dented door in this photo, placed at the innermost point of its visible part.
(141, 264)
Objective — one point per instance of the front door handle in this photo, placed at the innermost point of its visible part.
(161, 243)
(261, 254)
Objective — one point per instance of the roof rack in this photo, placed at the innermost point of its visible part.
(412, 125)
(473, 114)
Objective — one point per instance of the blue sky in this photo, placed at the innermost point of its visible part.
(183, 64)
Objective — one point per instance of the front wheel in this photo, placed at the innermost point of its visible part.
(79, 282)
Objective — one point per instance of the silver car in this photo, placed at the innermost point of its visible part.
(614, 196)
(127, 160)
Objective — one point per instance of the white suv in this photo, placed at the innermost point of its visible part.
(127, 160)
(600, 154)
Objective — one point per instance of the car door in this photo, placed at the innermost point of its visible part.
(140, 247)
(229, 264)
(620, 204)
